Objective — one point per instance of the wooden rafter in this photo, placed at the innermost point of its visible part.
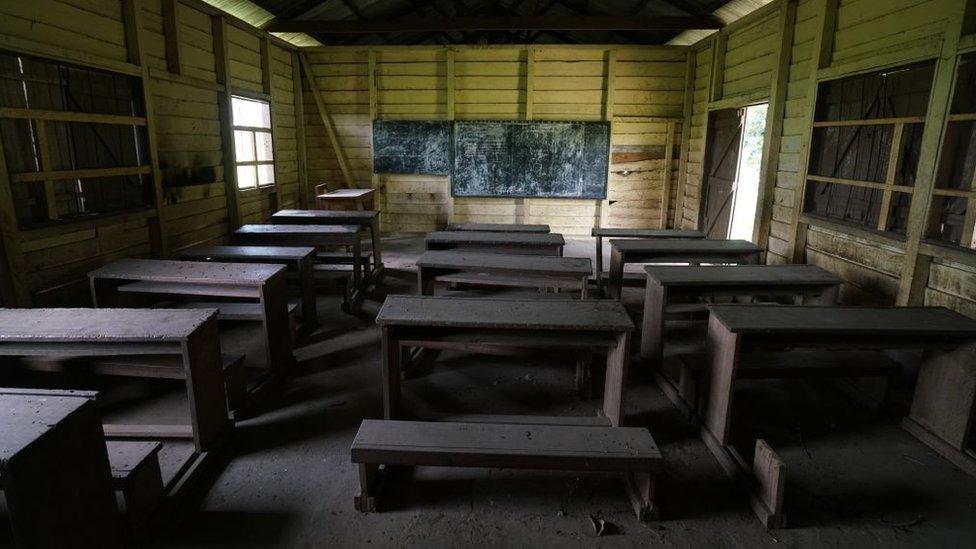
(504, 23)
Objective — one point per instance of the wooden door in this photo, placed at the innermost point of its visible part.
(721, 165)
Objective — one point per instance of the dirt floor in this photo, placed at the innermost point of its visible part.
(855, 478)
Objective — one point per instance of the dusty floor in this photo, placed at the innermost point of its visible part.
(855, 478)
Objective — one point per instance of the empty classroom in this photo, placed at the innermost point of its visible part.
(487, 273)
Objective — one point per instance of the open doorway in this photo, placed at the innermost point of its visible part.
(733, 158)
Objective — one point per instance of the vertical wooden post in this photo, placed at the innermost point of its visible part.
(773, 131)
(44, 151)
(666, 180)
(225, 106)
(611, 84)
(716, 84)
(132, 16)
(894, 155)
(304, 195)
(171, 35)
(266, 73)
(327, 121)
(679, 195)
(267, 86)
(451, 85)
(14, 291)
(915, 269)
(373, 111)
(822, 48)
(529, 82)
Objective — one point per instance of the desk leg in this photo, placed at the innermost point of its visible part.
(425, 281)
(390, 348)
(585, 287)
(274, 314)
(722, 347)
(205, 384)
(374, 233)
(599, 265)
(618, 356)
(652, 329)
(306, 281)
(357, 265)
(59, 488)
(616, 275)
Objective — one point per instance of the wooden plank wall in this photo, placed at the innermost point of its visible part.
(185, 105)
(641, 90)
(867, 35)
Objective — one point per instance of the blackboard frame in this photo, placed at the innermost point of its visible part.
(603, 158)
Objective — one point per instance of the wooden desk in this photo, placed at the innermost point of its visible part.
(666, 282)
(366, 219)
(299, 260)
(500, 228)
(311, 235)
(599, 233)
(356, 199)
(189, 335)
(496, 242)
(737, 329)
(500, 325)
(248, 281)
(675, 251)
(525, 271)
(54, 470)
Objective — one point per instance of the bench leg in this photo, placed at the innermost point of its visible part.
(584, 376)
(142, 494)
(640, 487)
(235, 384)
(366, 500)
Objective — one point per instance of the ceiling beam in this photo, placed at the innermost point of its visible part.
(508, 23)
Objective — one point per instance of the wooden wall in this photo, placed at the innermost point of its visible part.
(640, 90)
(180, 54)
(792, 46)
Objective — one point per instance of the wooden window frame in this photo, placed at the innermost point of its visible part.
(254, 130)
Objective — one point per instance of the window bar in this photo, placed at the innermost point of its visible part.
(894, 155)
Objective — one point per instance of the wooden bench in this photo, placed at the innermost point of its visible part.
(54, 470)
(366, 219)
(512, 327)
(500, 228)
(263, 285)
(190, 335)
(282, 234)
(524, 271)
(497, 242)
(692, 251)
(666, 283)
(137, 480)
(300, 261)
(627, 450)
(736, 330)
(355, 199)
(599, 233)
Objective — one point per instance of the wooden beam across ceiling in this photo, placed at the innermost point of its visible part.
(507, 23)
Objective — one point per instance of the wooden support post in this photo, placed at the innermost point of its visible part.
(450, 84)
(304, 194)
(608, 101)
(171, 35)
(773, 132)
(529, 82)
(373, 110)
(132, 18)
(894, 154)
(668, 168)
(822, 47)
(225, 105)
(13, 283)
(266, 73)
(44, 151)
(327, 121)
(717, 77)
(679, 195)
(914, 274)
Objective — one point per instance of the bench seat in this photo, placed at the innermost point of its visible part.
(236, 310)
(627, 450)
(177, 288)
(137, 479)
